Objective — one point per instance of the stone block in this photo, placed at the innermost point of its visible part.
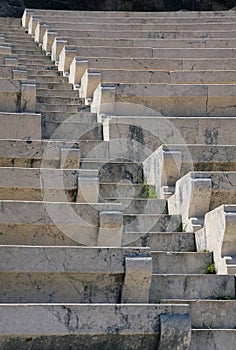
(70, 158)
(175, 332)
(111, 229)
(88, 186)
(137, 281)
(40, 31)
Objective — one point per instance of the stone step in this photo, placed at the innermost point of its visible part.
(46, 320)
(115, 170)
(58, 19)
(17, 96)
(27, 184)
(9, 72)
(31, 153)
(181, 262)
(69, 52)
(49, 99)
(209, 314)
(79, 65)
(221, 25)
(141, 223)
(72, 131)
(66, 281)
(55, 83)
(62, 93)
(85, 117)
(188, 287)
(42, 107)
(127, 14)
(34, 53)
(170, 100)
(166, 241)
(124, 189)
(210, 339)
(51, 34)
(92, 78)
(142, 205)
(59, 43)
(20, 126)
(152, 132)
(50, 78)
(52, 223)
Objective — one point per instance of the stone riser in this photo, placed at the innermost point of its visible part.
(210, 339)
(71, 131)
(178, 130)
(181, 263)
(20, 126)
(187, 287)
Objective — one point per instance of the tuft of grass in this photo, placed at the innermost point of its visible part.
(211, 269)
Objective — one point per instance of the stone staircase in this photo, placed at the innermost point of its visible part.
(103, 200)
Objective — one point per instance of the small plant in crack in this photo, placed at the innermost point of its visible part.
(211, 269)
